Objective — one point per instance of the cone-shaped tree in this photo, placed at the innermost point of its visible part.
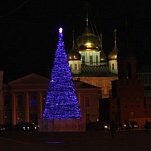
(61, 100)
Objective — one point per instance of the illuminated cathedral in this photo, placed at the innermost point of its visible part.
(90, 64)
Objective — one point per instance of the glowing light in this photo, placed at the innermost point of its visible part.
(61, 100)
(60, 30)
(88, 44)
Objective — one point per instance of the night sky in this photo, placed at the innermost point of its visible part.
(29, 30)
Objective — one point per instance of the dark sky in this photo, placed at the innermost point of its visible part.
(29, 30)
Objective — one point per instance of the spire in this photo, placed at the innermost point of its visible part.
(102, 54)
(88, 39)
(73, 40)
(74, 46)
(100, 38)
(113, 54)
(74, 54)
(87, 18)
(115, 38)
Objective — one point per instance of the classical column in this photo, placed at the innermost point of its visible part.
(27, 108)
(40, 106)
(14, 120)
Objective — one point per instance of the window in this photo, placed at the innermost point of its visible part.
(83, 59)
(112, 66)
(91, 60)
(33, 100)
(132, 114)
(96, 59)
(71, 66)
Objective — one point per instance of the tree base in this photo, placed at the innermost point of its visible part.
(60, 125)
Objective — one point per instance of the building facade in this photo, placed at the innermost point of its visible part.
(128, 101)
(23, 100)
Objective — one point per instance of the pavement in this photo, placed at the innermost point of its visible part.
(136, 140)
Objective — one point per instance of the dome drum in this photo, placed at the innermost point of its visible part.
(113, 54)
(74, 56)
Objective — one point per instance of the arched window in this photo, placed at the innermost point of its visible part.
(71, 66)
(83, 59)
(112, 66)
(97, 59)
(91, 60)
(33, 101)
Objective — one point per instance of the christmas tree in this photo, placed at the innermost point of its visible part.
(61, 100)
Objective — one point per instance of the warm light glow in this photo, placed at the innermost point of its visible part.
(88, 44)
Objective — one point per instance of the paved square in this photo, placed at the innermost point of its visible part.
(139, 140)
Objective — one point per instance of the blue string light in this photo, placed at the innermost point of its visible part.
(61, 100)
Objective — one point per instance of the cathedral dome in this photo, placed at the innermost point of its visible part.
(88, 41)
(102, 56)
(74, 55)
(113, 54)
